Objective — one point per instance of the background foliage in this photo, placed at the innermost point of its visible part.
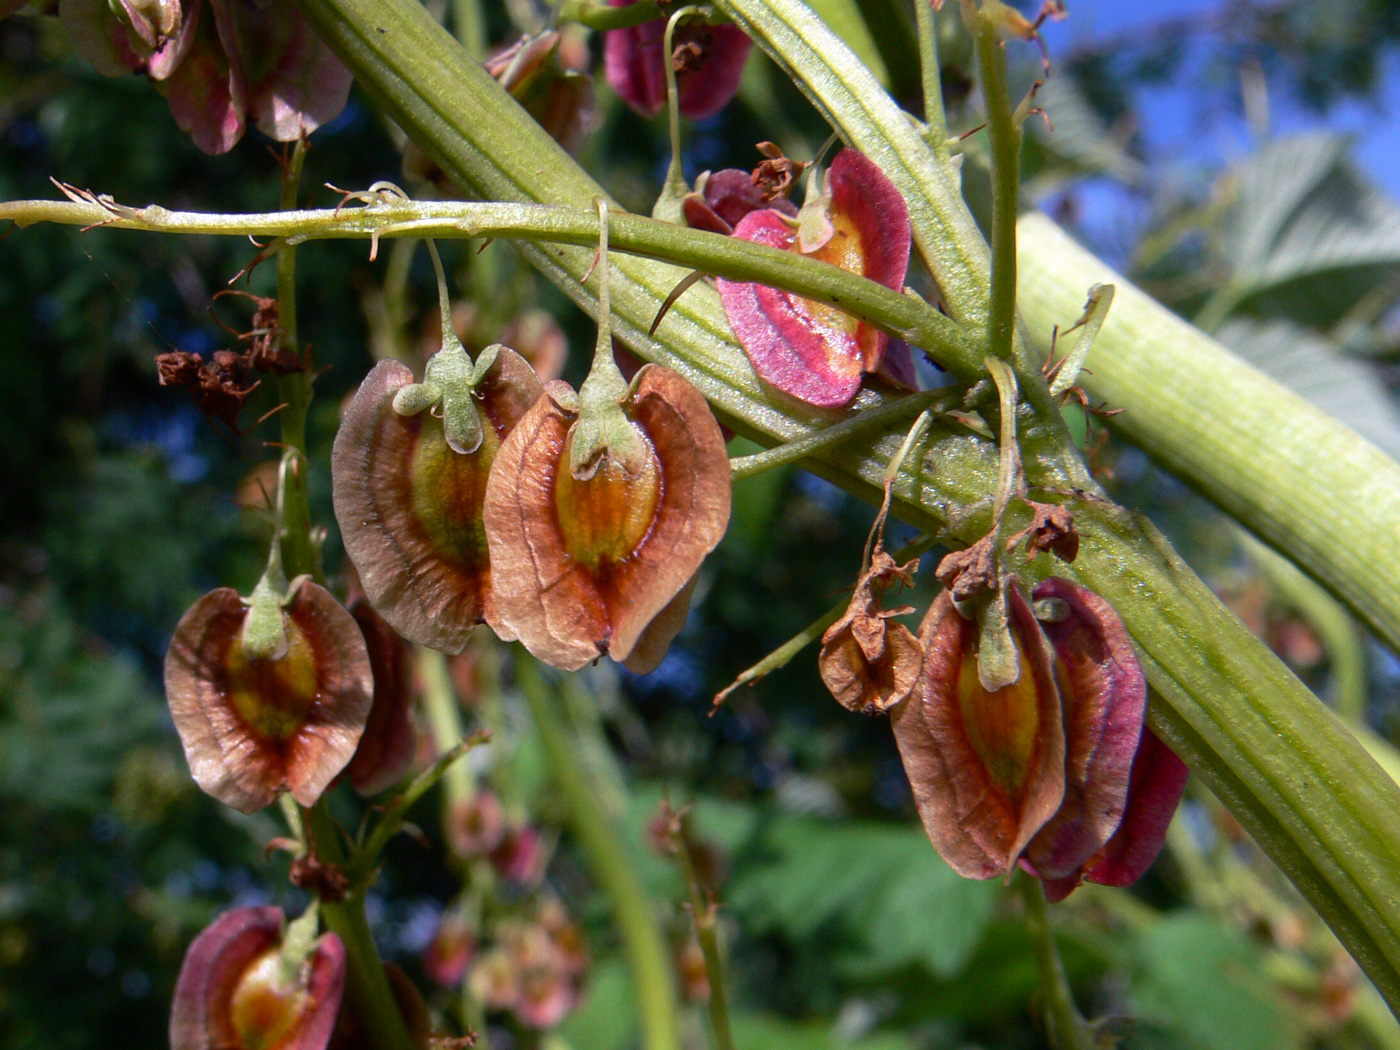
(845, 929)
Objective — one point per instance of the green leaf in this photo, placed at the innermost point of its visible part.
(879, 890)
(1201, 977)
(773, 1033)
(607, 1019)
(846, 20)
(1305, 212)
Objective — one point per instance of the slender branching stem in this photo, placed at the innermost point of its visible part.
(299, 553)
(1068, 1029)
(598, 15)
(935, 119)
(367, 986)
(742, 467)
(902, 314)
(1005, 138)
(707, 933)
(635, 916)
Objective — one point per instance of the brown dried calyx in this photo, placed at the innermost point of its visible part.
(867, 662)
(409, 472)
(219, 387)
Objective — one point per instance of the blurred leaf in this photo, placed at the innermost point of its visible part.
(1312, 367)
(1202, 978)
(772, 1033)
(1308, 229)
(882, 886)
(846, 20)
(1080, 142)
(607, 1020)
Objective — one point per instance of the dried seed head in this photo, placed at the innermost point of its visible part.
(868, 663)
(590, 547)
(409, 506)
(252, 727)
(242, 988)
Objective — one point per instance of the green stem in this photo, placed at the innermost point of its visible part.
(1068, 1030)
(635, 916)
(444, 717)
(903, 315)
(707, 933)
(675, 188)
(299, 555)
(935, 118)
(600, 16)
(469, 26)
(367, 985)
(742, 467)
(1005, 139)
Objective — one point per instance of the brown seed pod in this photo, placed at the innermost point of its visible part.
(254, 727)
(867, 662)
(987, 768)
(585, 565)
(238, 991)
(409, 506)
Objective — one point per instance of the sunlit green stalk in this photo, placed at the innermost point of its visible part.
(1068, 1029)
(702, 910)
(607, 857)
(298, 553)
(935, 118)
(596, 14)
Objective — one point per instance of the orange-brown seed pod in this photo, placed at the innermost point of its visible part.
(409, 505)
(600, 560)
(240, 989)
(253, 727)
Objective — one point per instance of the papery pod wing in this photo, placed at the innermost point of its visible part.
(390, 739)
(1105, 698)
(410, 508)
(207, 91)
(987, 769)
(566, 611)
(254, 728)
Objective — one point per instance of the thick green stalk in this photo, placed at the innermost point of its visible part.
(367, 987)
(1293, 475)
(607, 857)
(931, 75)
(1219, 686)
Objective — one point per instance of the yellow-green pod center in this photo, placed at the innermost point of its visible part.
(264, 1010)
(448, 490)
(606, 518)
(274, 697)
(1001, 726)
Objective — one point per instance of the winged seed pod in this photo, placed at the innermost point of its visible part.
(390, 740)
(708, 60)
(601, 559)
(288, 718)
(249, 982)
(809, 350)
(408, 472)
(987, 767)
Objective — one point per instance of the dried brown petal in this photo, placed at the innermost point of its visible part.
(409, 507)
(987, 769)
(253, 728)
(583, 567)
(1051, 530)
(235, 992)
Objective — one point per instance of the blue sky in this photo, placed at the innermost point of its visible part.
(1170, 128)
